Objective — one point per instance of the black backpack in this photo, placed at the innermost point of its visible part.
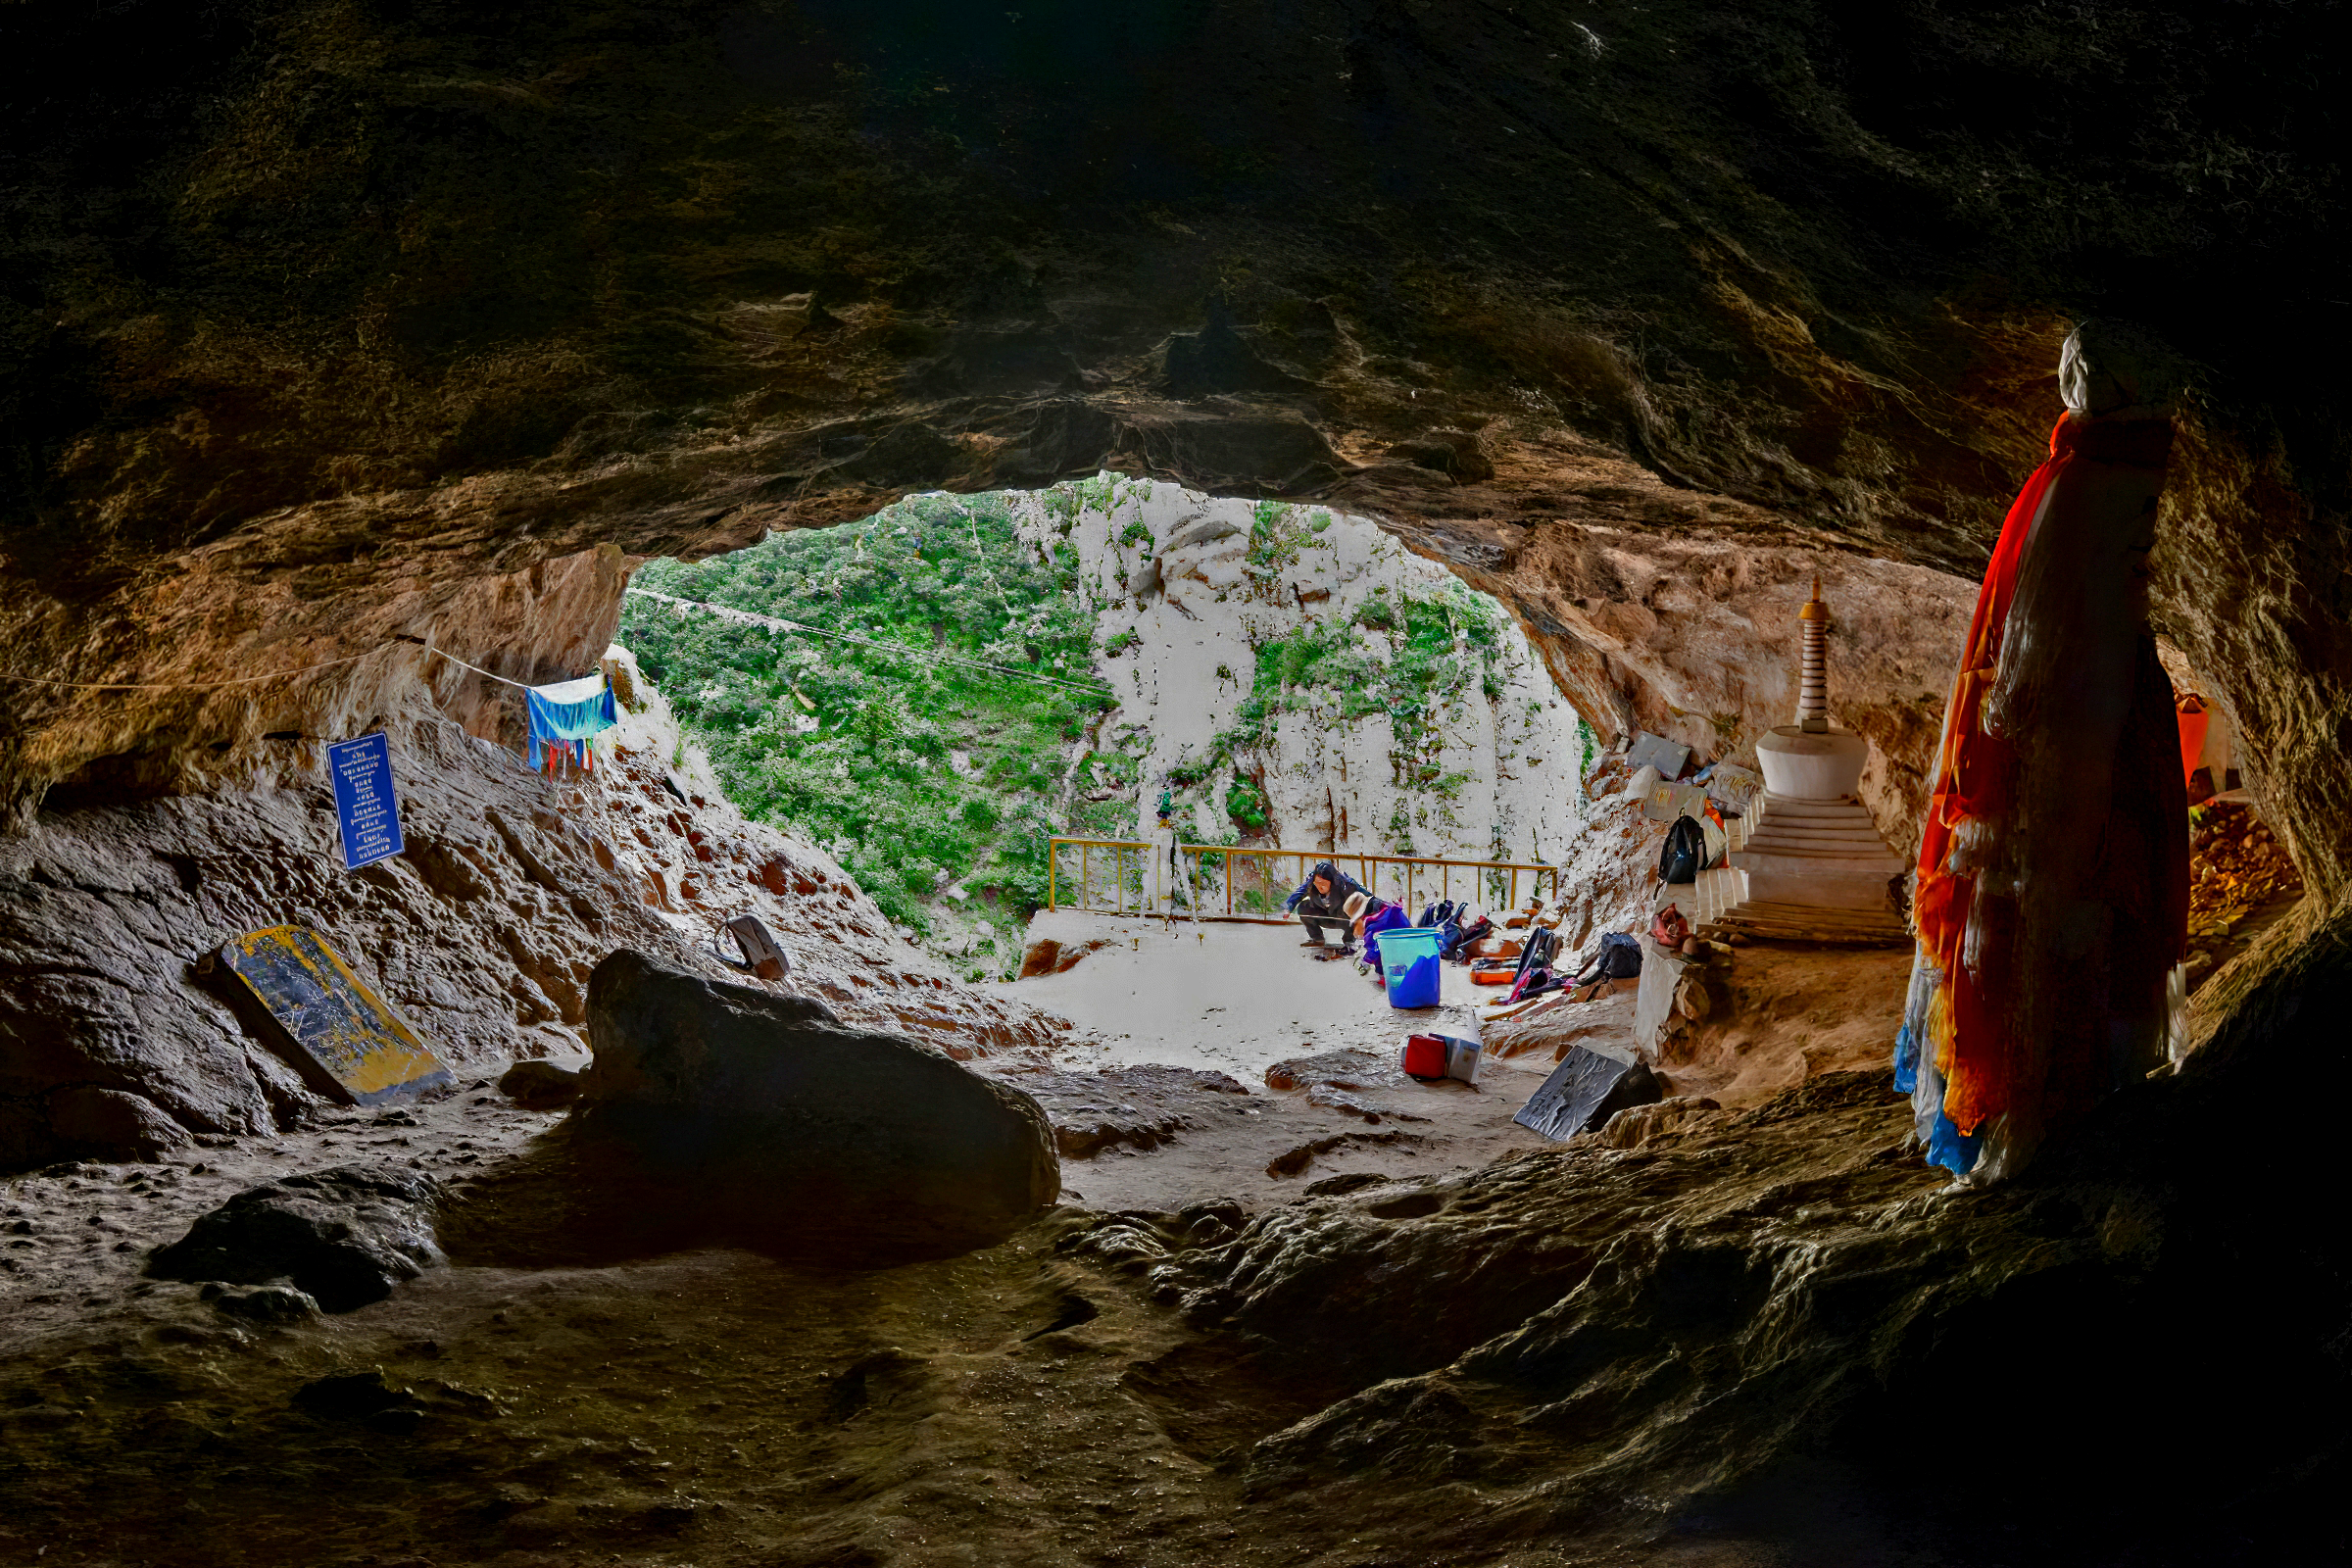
(1538, 953)
(1619, 956)
(1685, 853)
(1457, 948)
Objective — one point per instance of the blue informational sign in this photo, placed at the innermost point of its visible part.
(364, 800)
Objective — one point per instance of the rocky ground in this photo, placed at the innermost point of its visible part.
(1484, 1367)
(1292, 1307)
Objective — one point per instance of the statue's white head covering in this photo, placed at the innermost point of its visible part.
(2105, 366)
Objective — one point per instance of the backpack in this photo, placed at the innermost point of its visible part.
(1531, 982)
(1458, 949)
(1619, 956)
(1685, 850)
(1537, 954)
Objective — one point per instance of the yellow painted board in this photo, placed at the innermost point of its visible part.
(334, 1017)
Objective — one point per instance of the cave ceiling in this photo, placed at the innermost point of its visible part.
(324, 320)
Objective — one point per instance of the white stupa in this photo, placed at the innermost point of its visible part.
(1813, 863)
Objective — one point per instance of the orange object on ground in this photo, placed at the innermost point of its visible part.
(1494, 977)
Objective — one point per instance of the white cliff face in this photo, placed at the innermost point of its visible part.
(1302, 680)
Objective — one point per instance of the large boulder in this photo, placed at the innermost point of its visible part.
(789, 1125)
(345, 1237)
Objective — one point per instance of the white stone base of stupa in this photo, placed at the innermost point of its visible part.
(1809, 863)
(1822, 854)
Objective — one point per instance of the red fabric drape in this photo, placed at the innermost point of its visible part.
(1969, 1021)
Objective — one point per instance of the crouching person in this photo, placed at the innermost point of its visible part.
(1321, 904)
(1371, 917)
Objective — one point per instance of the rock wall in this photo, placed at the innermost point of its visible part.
(513, 885)
(295, 370)
(1463, 751)
(1694, 635)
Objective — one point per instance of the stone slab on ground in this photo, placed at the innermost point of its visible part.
(1585, 1091)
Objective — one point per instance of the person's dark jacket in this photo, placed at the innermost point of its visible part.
(1330, 905)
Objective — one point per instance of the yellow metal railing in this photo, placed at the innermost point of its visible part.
(1126, 876)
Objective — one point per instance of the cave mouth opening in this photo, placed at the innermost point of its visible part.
(936, 692)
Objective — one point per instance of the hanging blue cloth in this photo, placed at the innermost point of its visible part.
(565, 714)
(1915, 1075)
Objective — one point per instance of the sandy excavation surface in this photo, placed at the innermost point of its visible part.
(1238, 999)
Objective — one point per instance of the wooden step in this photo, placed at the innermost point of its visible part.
(1827, 938)
(1807, 914)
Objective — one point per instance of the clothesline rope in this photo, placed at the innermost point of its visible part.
(721, 611)
(727, 613)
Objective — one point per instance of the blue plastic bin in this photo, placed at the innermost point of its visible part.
(1408, 962)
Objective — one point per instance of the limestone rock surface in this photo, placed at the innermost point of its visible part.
(773, 1118)
(1265, 655)
(1137, 1108)
(344, 1237)
(539, 1085)
(1540, 1330)
(864, 260)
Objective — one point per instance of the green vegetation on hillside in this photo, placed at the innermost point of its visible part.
(1413, 658)
(917, 774)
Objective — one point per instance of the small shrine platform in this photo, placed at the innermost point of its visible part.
(1718, 906)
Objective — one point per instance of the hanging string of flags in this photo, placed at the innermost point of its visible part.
(916, 656)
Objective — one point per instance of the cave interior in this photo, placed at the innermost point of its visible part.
(339, 338)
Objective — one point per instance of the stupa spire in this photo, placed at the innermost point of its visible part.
(1813, 684)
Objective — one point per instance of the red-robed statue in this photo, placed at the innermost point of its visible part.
(2053, 893)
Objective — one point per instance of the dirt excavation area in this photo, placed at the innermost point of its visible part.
(1164, 1098)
